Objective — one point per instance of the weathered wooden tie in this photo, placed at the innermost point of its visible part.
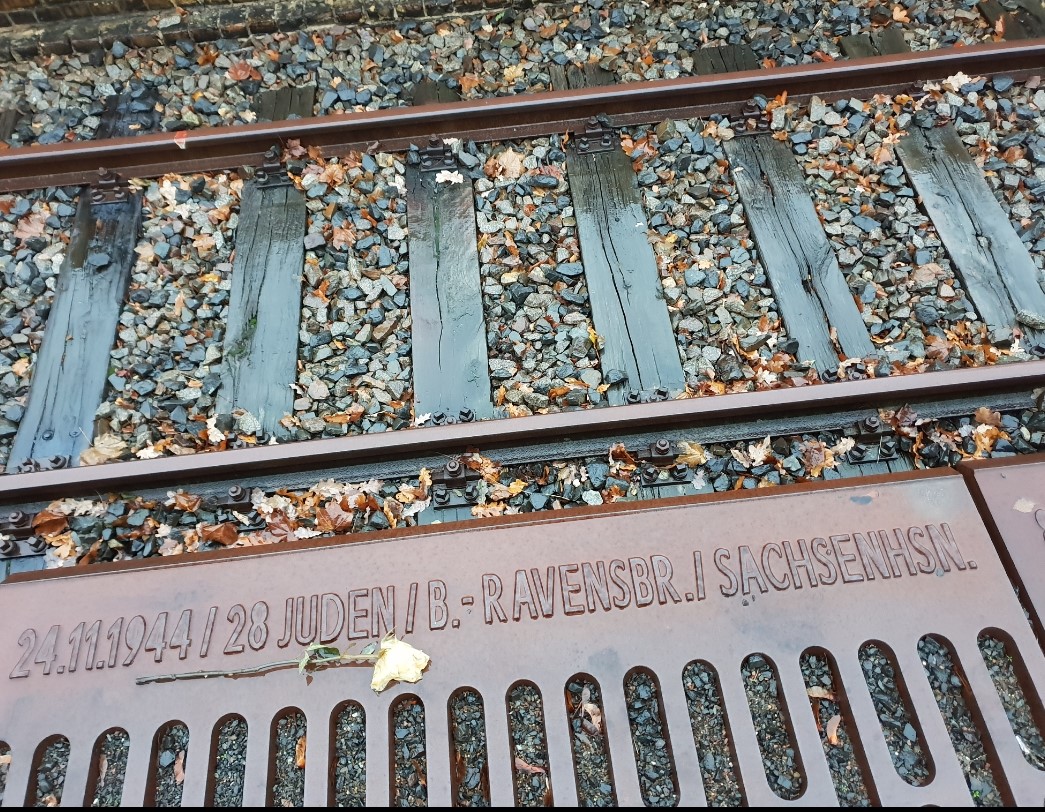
(429, 91)
(132, 112)
(799, 260)
(70, 371)
(1026, 22)
(285, 102)
(450, 362)
(8, 120)
(638, 349)
(261, 341)
(724, 59)
(878, 43)
(996, 269)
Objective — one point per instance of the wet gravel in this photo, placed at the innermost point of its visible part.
(288, 768)
(471, 774)
(166, 360)
(526, 726)
(657, 781)
(772, 728)
(112, 768)
(997, 656)
(716, 290)
(489, 53)
(172, 746)
(819, 673)
(1003, 125)
(947, 684)
(908, 292)
(230, 763)
(350, 756)
(410, 759)
(905, 744)
(5, 766)
(538, 316)
(50, 773)
(591, 759)
(34, 229)
(354, 370)
(707, 717)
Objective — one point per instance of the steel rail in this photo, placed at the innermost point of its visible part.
(489, 435)
(504, 117)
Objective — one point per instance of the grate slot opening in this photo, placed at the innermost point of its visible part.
(348, 757)
(591, 754)
(470, 772)
(49, 766)
(170, 750)
(961, 717)
(526, 725)
(409, 755)
(5, 766)
(776, 739)
(1017, 693)
(108, 768)
(228, 762)
(287, 759)
(841, 740)
(896, 715)
(710, 724)
(658, 781)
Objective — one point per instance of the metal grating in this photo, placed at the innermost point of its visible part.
(661, 569)
(1011, 495)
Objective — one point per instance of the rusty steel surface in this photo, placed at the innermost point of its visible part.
(493, 434)
(1011, 495)
(655, 587)
(507, 116)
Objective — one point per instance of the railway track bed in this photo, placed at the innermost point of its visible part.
(467, 354)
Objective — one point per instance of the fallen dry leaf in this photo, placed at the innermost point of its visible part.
(692, 453)
(818, 692)
(594, 713)
(105, 448)
(831, 730)
(225, 533)
(334, 517)
(397, 661)
(189, 502)
(447, 176)
(988, 417)
(529, 768)
(179, 767)
(299, 753)
(508, 164)
(50, 523)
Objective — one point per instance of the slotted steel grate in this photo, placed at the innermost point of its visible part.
(596, 592)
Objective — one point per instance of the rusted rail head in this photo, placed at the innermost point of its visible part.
(505, 117)
(490, 435)
(713, 579)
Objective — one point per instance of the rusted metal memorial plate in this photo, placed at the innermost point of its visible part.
(597, 592)
(1012, 499)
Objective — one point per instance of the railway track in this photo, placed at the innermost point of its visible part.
(590, 305)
